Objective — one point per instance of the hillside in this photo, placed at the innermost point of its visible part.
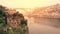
(46, 12)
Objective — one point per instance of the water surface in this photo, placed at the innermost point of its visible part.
(44, 25)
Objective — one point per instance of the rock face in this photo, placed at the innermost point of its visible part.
(14, 23)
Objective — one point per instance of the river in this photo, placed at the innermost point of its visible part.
(44, 25)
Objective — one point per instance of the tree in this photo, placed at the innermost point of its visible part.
(3, 18)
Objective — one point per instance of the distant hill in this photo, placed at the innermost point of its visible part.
(47, 12)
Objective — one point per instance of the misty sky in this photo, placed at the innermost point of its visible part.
(28, 3)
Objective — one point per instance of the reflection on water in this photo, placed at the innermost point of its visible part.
(48, 21)
(44, 25)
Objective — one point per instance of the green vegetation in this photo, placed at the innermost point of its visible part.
(7, 29)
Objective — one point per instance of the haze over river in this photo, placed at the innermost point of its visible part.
(44, 25)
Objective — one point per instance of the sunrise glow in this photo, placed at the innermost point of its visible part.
(28, 3)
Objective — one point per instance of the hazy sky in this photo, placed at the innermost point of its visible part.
(28, 3)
